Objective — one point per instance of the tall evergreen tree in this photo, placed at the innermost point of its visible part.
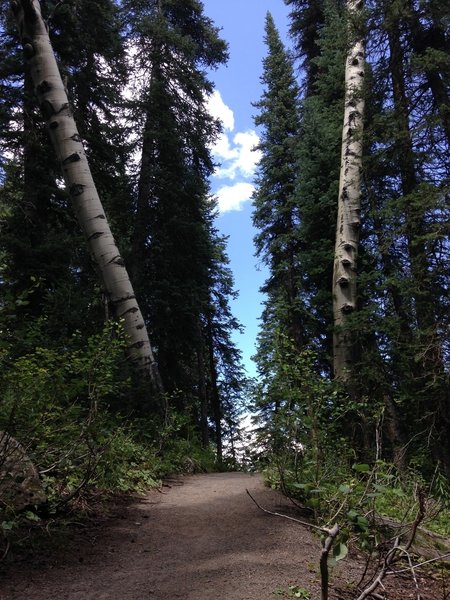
(171, 43)
(307, 18)
(276, 213)
(400, 331)
(317, 184)
(225, 381)
(406, 177)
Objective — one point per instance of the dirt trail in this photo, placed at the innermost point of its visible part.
(201, 539)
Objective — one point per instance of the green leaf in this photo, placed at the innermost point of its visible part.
(345, 489)
(379, 488)
(340, 551)
(362, 522)
(31, 516)
(313, 502)
(352, 515)
(361, 468)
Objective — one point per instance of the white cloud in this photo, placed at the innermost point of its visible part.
(223, 150)
(232, 197)
(241, 156)
(236, 156)
(219, 110)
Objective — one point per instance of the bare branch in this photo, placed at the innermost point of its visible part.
(305, 523)
(420, 564)
(5, 553)
(327, 545)
(382, 574)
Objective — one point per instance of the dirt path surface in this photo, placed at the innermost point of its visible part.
(202, 539)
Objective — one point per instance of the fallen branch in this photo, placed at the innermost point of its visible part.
(413, 572)
(305, 523)
(382, 574)
(326, 547)
(395, 552)
(420, 564)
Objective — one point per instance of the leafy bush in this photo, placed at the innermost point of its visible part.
(55, 402)
(305, 451)
(180, 448)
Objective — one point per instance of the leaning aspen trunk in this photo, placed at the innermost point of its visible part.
(348, 221)
(67, 143)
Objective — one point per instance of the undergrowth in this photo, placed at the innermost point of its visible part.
(308, 444)
(70, 410)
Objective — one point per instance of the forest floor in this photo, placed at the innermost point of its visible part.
(200, 538)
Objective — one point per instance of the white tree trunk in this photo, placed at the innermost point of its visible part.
(348, 221)
(67, 143)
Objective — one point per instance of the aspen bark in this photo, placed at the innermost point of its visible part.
(349, 200)
(54, 105)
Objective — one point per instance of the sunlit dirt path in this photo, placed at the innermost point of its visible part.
(201, 539)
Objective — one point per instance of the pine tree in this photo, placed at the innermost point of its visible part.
(307, 18)
(405, 177)
(318, 156)
(225, 381)
(172, 42)
(276, 213)
(40, 249)
(399, 330)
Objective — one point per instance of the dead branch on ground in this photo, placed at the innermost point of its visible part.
(326, 546)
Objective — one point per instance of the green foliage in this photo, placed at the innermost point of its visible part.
(57, 405)
(172, 274)
(54, 402)
(65, 389)
(124, 464)
(307, 456)
(399, 372)
(276, 214)
(181, 450)
(299, 409)
(78, 374)
(358, 496)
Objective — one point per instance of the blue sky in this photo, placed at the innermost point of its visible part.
(237, 86)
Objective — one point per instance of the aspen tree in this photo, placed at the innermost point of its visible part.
(348, 220)
(54, 105)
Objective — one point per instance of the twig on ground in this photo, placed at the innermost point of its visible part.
(5, 553)
(413, 572)
(382, 574)
(326, 547)
(395, 551)
(305, 523)
(420, 564)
